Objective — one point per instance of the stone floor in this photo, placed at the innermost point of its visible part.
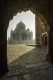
(42, 71)
(30, 66)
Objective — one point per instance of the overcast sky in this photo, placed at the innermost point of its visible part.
(28, 18)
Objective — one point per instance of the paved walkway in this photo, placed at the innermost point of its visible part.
(42, 71)
(31, 66)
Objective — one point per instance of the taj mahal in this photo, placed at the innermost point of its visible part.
(21, 34)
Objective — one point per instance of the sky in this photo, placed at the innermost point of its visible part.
(28, 18)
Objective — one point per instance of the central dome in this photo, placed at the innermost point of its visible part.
(21, 26)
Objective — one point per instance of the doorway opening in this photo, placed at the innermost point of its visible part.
(27, 40)
(22, 28)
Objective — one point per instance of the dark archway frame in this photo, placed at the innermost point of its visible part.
(10, 8)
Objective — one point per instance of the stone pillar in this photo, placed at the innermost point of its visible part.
(38, 33)
(3, 51)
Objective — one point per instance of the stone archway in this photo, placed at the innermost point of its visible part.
(43, 19)
(7, 12)
(44, 39)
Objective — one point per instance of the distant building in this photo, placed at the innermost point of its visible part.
(21, 34)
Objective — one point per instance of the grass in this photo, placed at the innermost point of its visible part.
(14, 51)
